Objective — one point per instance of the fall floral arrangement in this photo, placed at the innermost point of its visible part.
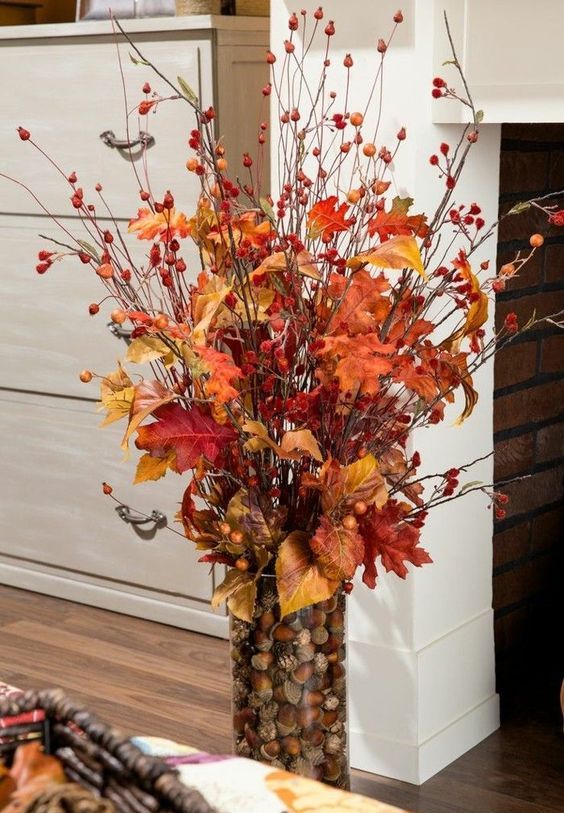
(323, 326)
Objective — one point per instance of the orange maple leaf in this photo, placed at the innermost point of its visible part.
(222, 373)
(327, 218)
(362, 307)
(160, 226)
(398, 221)
(357, 361)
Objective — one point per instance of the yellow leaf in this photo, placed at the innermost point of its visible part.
(477, 312)
(116, 395)
(278, 261)
(300, 580)
(206, 307)
(153, 468)
(359, 481)
(299, 439)
(397, 252)
(149, 348)
(303, 440)
(239, 590)
(470, 396)
(257, 303)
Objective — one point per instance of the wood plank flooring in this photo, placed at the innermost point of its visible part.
(146, 677)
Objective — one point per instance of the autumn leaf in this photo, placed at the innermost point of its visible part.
(293, 446)
(397, 221)
(339, 551)
(116, 395)
(147, 397)
(303, 263)
(257, 518)
(470, 396)
(387, 534)
(161, 226)
(477, 314)
(147, 348)
(359, 481)
(215, 372)
(299, 578)
(362, 307)
(398, 252)
(153, 468)
(327, 218)
(239, 590)
(206, 304)
(358, 362)
(188, 432)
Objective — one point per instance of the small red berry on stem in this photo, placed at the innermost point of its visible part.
(330, 28)
(381, 46)
(107, 489)
(24, 134)
(398, 16)
(348, 587)
(93, 309)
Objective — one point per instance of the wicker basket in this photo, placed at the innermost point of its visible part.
(96, 756)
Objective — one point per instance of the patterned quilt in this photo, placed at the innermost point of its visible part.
(236, 785)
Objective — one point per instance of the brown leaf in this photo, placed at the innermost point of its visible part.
(300, 580)
(339, 551)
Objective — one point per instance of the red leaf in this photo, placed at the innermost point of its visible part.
(388, 535)
(397, 221)
(325, 219)
(190, 433)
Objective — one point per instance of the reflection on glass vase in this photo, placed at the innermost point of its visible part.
(289, 687)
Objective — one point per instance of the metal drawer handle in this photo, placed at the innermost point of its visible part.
(120, 332)
(144, 140)
(125, 513)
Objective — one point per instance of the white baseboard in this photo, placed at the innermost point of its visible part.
(109, 596)
(417, 763)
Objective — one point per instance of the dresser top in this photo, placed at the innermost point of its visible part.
(194, 22)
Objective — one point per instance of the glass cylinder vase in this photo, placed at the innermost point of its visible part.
(289, 687)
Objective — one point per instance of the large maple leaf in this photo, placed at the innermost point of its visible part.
(189, 432)
(220, 372)
(327, 218)
(161, 226)
(359, 362)
(362, 307)
(387, 534)
(339, 551)
(398, 221)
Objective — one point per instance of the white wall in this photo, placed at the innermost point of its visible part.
(422, 688)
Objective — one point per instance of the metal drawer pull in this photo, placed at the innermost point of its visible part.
(120, 332)
(144, 140)
(125, 513)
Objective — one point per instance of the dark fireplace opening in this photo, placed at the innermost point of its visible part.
(529, 426)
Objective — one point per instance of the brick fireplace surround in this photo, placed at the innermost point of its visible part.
(528, 410)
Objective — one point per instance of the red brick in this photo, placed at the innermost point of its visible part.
(523, 581)
(523, 171)
(520, 227)
(511, 544)
(534, 491)
(511, 630)
(553, 354)
(514, 364)
(550, 442)
(547, 530)
(533, 132)
(554, 262)
(556, 171)
(532, 405)
(531, 274)
(539, 304)
(514, 456)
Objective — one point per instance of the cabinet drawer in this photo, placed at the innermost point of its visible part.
(53, 512)
(47, 334)
(73, 96)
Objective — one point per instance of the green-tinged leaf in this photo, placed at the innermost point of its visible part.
(89, 249)
(519, 208)
(468, 486)
(479, 116)
(267, 208)
(187, 91)
(138, 60)
(299, 578)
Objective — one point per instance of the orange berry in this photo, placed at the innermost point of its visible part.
(379, 187)
(356, 119)
(350, 523)
(360, 508)
(369, 149)
(105, 271)
(191, 164)
(161, 321)
(118, 316)
(224, 528)
(236, 537)
(507, 270)
(536, 240)
(242, 564)
(85, 376)
(353, 196)
(221, 164)
(107, 489)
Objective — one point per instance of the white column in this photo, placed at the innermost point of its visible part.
(421, 653)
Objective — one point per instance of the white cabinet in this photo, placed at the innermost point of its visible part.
(58, 533)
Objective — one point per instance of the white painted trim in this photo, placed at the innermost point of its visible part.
(162, 609)
(417, 763)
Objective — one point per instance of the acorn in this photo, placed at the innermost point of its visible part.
(315, 683)
(314, 618)
(319, 635)
(286, 720)
(291, 745)
(270, 750)
(307, 715)
(304, 767)
(262, 684)
(266, 621)
(303, 673)
(329, 718)
(292, 692)
(262, 660)
(336, 621)
(305, 652)
(263, 641)
(283, 633)
(242, 718)
(313, 698)
(320, 663)
(329, 605)
(278, 694)
(331, 702)
(333, 744)
(325, 682)
(313, 735)
(252, 737)
(337, 671)
(331, 644)
(331, 769)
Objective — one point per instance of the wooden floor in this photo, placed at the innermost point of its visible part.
(145, 677)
